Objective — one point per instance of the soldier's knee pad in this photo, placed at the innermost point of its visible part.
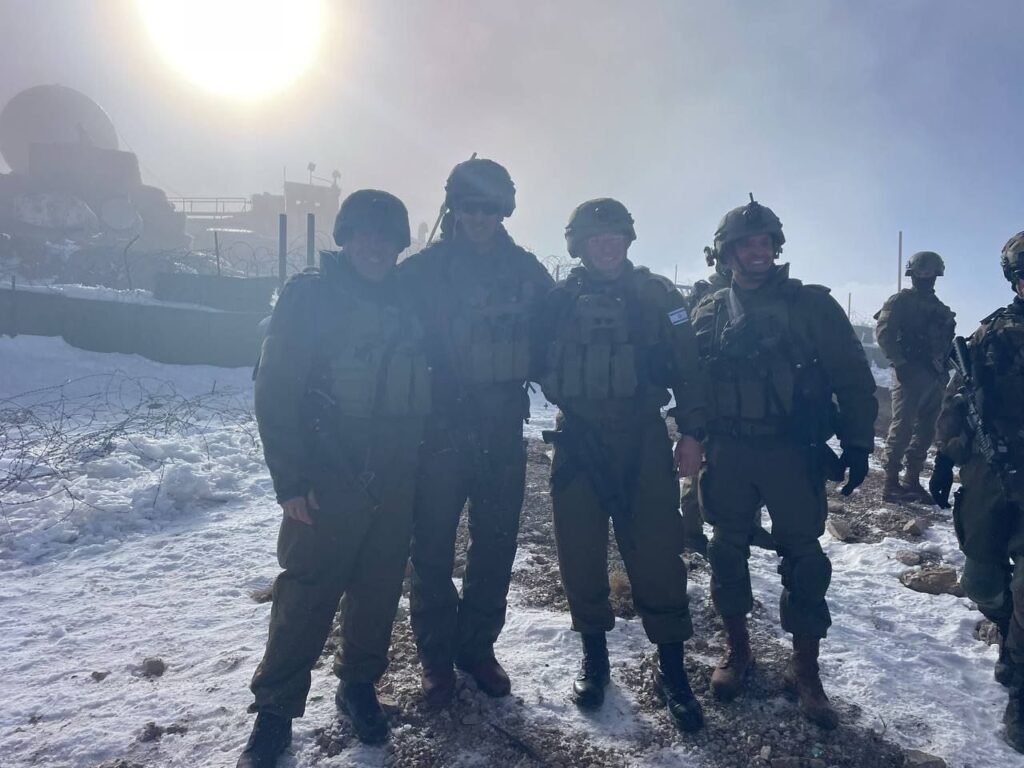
(727, 557)
(807, 574)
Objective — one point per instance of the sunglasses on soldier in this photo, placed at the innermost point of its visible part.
(486, 207)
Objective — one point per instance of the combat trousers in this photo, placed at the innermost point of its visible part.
(990, 530)
(693, 522)
(650, 539)
(485, 463)
(741, 475)
(915, 408)
(356, 549)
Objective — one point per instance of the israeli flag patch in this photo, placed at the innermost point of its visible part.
(678, 316)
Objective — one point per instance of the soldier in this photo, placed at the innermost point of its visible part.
(476, 291)
(341, 377)
(989, 509)
(915, 330)
(777, 351)
(616, 338)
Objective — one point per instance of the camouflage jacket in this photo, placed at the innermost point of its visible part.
(916, 328)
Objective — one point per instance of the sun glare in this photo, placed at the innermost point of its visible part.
(243, 49)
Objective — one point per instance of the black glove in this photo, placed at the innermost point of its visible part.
(856, 459)
(941, 482)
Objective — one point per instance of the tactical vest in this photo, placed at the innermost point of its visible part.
(371, 361)
(766, 379)
(926, 328)
(601, 345)
(999, 355)
(490, 329)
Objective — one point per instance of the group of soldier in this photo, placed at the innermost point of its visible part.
(389, 395)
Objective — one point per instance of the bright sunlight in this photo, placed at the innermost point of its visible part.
(244, 49)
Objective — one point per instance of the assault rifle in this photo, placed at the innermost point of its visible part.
(993, 450)
(586, 453)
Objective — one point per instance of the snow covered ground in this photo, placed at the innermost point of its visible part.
(152, 547)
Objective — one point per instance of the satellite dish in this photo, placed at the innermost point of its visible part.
(51, 114)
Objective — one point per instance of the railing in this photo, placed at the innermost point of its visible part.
(211, 207)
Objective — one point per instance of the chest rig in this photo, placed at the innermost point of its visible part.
(927, 329)
(490, 324)
(999, 357)
(764, 373)
(371, 361)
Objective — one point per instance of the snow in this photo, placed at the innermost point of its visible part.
(175, 528)
(106, 293)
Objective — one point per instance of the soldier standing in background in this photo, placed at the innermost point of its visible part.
(915, 330)
(341, 391)
(616, 339)
(989, 509)
(476, 292)
(776, 351)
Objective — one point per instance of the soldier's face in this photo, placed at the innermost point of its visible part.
(373, 254)
(754, 256)
(478, 219)
(606, 254)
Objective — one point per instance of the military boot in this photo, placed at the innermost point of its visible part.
(1013, 717)
(672, 686)
(438, 682)
(913, 490)
(1004, 664)
(892, 490)
(488, 674)
(802, 678)
(588, 687)
(728, 678)
(359, 702)
(271, 735)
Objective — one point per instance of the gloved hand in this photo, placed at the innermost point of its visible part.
(941, 482)
(856, 460)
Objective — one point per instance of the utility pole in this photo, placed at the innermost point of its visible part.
(899, 267)
(849, 306)
(282, 249)
(310, 239)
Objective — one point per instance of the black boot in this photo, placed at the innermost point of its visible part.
(359, 702)
(1013, 717)
(672, 686)
(588, 687)
(271, 735)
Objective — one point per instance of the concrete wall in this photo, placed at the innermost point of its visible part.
(165, 334)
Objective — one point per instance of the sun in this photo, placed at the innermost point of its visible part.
(243, 49)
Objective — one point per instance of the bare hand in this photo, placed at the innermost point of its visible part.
(297, 508)
(689, 455)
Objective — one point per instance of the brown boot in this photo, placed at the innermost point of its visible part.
(438, 681)
(892, 490)
(490, 677)
(728, 678)
(802, 678)
(913, 490)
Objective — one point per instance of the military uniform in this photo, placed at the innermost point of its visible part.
(988, 513)
(477, 311)
(915, 330)
(774, 355)
(341, 392)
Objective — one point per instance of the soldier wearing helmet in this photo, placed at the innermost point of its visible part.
(915, 330)
(475, 292)
(616, 339)
(989, 507)
(342, 371)
(787, 372)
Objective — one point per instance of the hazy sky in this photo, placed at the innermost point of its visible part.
(852, 120)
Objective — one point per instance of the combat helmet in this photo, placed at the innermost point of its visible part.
(1012, 259)
(925, 264)
(602, 216)
(374, 210)
(480, 178)
(750, 219)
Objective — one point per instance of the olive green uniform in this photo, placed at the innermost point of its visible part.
(341, 391)
(693, 522)
(989, 521)
(477, 311)
(915, 330)
(612, 351)
(776, 355)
